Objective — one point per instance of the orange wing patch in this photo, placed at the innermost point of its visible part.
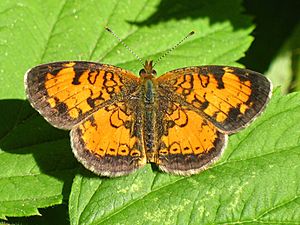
(190, 144)
(107, 142)
(227, 96)
(67, 92)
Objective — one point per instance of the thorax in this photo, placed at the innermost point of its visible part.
(149, 91)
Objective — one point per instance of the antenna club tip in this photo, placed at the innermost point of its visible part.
(191, 33)
(107, 28)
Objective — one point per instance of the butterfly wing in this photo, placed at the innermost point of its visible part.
(65, 93)
(188, 142)
(201, 105)
(109, 142)
(228, 97)
(94, 101)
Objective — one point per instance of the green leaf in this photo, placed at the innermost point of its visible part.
(256, 181)
(295, 58)
(34, 32)
(36, 162)
(285, 68)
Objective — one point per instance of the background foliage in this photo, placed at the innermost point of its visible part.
(256, 181)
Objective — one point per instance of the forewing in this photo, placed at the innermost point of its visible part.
(229, 97)
(188, 143)
(67, 92)
(109, 142)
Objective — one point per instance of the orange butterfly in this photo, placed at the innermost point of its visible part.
(119, 122)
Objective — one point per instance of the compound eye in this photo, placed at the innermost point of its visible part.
(153, 72)
(142, 72)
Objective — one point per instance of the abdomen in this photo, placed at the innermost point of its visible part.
(149, 111)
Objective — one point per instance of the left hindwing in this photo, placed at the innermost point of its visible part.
(229, 97)
(109, 142)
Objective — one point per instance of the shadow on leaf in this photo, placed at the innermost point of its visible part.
(216, 11)
(24, 131)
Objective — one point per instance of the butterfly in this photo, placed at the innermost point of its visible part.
(119, 122)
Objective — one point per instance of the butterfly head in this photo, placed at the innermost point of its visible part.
(148, 71)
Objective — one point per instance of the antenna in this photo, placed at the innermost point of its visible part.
(126, 46)
(175, 46)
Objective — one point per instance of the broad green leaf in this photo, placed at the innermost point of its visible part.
(256, 181)
(38, 31)
(36, 164)
(36, 160)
